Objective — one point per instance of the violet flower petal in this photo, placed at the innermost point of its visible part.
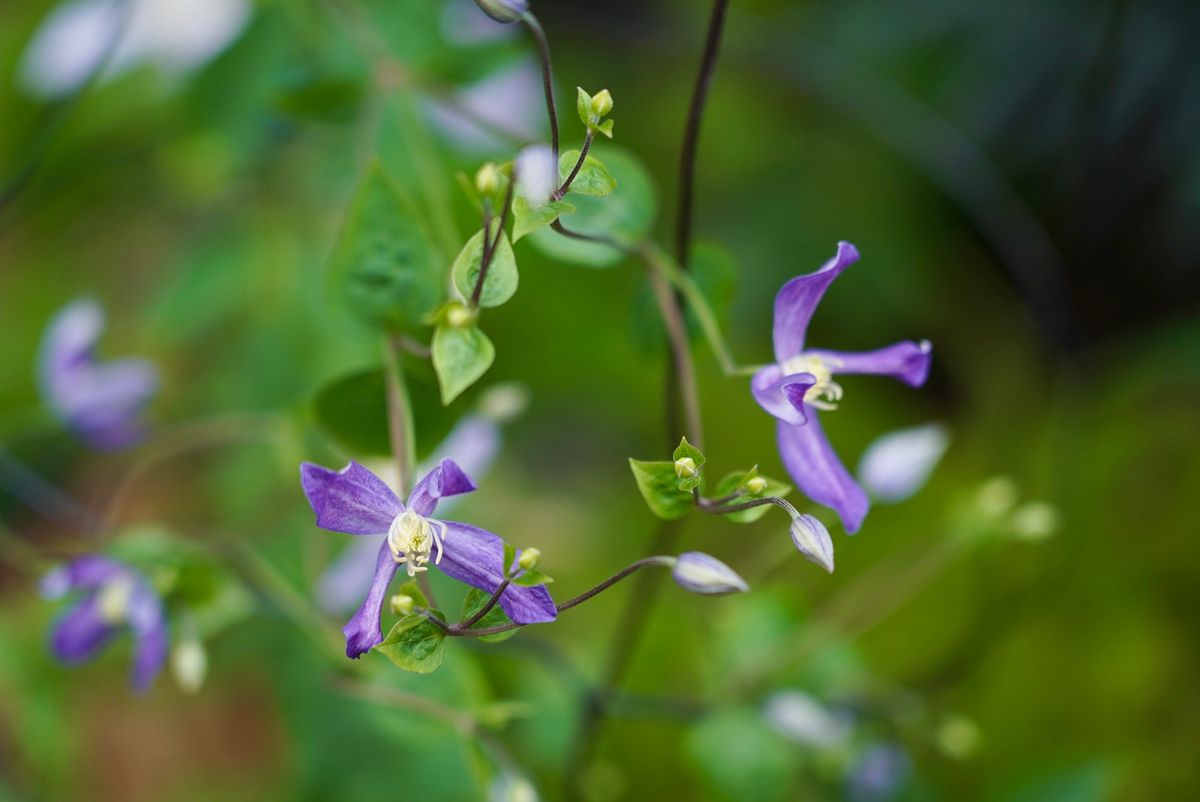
(365, 629)
(447, 479)
(905, 361)
(352, 500)
(149, 627)
(782, 396)
(476, 557)
(798, 299)
(81, 632)
(87, 571)
(818, 472)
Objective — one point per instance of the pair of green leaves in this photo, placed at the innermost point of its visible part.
(592, 180)
(667, 491)
(668, 487)
(461, 352)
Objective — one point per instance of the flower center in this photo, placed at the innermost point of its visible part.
(825, 393)
(412, 539)
(113, 599)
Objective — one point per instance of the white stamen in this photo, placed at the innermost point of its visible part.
(113, 599)
(413, 539)
(825, 393)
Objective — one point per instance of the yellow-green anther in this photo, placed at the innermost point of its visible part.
(685, 468)
(529, 559)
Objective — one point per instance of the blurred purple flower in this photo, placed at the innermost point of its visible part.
(357, 502)
(485, 114)
(878, 774)
(117, 596)
(802, 382)
(100, 401)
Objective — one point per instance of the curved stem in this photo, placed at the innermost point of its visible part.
(583, 152)
(487, 608)
(681, 357)
(718, 508)
(490, 242)
(543, 46)
(567, 605)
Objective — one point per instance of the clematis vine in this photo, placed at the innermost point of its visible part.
(117, 597)
(100, 401)
(357, 502)
(802, 382)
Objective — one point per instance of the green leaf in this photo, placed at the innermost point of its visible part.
(606, 128)
(660, 488)
(736, 481)
(501, 281)
(474, 602)
(583, 105)
(528, 217)
(626, 215)
(386, 273)
(415, 644)
(510, 557)
(533, 578)
(593, 178)
(460, 357)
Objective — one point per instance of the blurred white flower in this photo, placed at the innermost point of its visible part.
(899, 464)
(803, 719)
(509, 787)
(537, 174)
(176, 36)
(1035, 520)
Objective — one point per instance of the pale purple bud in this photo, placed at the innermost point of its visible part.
(699, 573)
(812, 539)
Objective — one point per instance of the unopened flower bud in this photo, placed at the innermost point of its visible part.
(458, 316)
(487, 180)
(996, 496)
(756, 485)
(189, 664)
(1036, 520)
(812, 539)
(503, 10)
(529, 559)
(402, 604)
(685, 468)
(700, 573)
(602, 103)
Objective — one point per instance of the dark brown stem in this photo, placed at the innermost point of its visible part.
(691, 131)
(487, 608)
(490, 243)
(463, 632)
(543, 46)
(566, 185)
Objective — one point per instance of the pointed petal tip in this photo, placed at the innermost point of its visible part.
(847, 254)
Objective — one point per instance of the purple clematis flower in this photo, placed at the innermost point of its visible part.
(802, 382)
(99, 401)
(356, 501)
(117, 596)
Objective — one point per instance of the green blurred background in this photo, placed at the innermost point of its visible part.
(1023, 181)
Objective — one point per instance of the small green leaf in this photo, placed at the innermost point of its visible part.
(460, 357)
(736, 481)
(385, 272)
(686, 450)
(415, 644)
(606, 128)
(501, 281)
(474, 602)
(528, 217)
(626, 215)
(583, 105)
(533, 578)
(593, 178)
(660, 488)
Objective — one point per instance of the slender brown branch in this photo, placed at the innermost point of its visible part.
(583, 152)
(543, 46)
(681, 355)
(487, 608)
